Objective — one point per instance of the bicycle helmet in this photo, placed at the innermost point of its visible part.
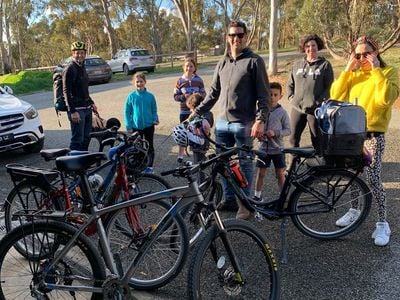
(136, 158)
(180, 135)
(78, 46)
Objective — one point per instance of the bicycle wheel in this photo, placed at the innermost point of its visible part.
(28, 196)
(211, 273)
(148, 183)
(325, 197)
(164, 259)
(24, 278)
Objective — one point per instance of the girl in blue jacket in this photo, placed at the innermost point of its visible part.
(141, 114)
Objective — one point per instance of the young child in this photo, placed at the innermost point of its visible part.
(186, 85)
(199, 127)
(141, 114)
(276, 127)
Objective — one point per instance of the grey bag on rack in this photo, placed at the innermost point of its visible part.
(343, 128)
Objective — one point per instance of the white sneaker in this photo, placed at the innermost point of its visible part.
(348, 218)
(381, 234)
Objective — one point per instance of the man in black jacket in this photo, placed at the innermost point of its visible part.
(76, 94)
(240, 85)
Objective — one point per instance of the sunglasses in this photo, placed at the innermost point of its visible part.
(239, 35)
(359, 55)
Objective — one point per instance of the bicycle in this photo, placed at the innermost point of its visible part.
(40, 189)
(54, 240)
(314, 196)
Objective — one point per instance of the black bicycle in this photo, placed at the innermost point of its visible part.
(315, 196)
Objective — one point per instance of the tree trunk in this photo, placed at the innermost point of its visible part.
(110, 29)
(185, 14)
(273, 39)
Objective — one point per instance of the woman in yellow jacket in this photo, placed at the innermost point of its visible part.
(374, 84)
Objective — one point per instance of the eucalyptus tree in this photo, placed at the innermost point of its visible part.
(340, 22)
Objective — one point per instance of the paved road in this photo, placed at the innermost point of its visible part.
(350, 268)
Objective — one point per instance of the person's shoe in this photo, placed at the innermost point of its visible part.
(243, 213)
(228, 205)
(148, 170)
(381, 234)
(255, 198)
(348, 218)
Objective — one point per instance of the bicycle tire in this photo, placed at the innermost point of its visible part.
(28, 195)
(164, 259)
(81, 265)
(211, 275)
(315, 217)
(149, 183)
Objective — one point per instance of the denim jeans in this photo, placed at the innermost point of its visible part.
(80, 132)
(235, 133)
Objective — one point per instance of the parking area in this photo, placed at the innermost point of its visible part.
(349, 268)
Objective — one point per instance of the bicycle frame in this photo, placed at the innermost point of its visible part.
(186, 195)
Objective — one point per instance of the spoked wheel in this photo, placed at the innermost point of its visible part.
(326, 197)
(23, 278)
(212, 274)
(164, 259)
(26, 197)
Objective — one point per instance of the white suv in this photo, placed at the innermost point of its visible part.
(132, 60)
(20, 126)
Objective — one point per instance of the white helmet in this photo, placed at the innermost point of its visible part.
(180, 135)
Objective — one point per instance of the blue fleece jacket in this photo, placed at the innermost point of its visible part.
(140, 110)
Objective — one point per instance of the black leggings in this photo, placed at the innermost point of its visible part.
(148, 134)
(298, 122)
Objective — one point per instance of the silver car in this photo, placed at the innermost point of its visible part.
(20, 126)
(96, 67)
(132, 60)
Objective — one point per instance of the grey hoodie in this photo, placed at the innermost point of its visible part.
(241, 87)
(278, 121)
(309, 84)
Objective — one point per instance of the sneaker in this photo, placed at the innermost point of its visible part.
(243, 213)
(381, 234)
(255, 198)
(348, 218)
(228, 205)
(148, 170)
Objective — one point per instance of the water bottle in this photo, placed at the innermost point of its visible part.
(238, 173)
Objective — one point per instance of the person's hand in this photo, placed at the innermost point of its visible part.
(372, 58)
(94, 108)
(270, 133)
(192, 116)
(257, 130)
(352, 63)
(156, 122)
(75, 118)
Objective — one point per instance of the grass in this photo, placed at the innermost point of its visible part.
(26, 82)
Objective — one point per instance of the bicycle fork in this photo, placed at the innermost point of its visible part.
(226, 274)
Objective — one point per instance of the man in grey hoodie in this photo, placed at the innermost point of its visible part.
(240, 85)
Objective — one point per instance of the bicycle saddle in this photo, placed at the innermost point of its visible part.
(50, 154)
(79, 163)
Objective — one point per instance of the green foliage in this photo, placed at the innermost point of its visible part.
(28, 81)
